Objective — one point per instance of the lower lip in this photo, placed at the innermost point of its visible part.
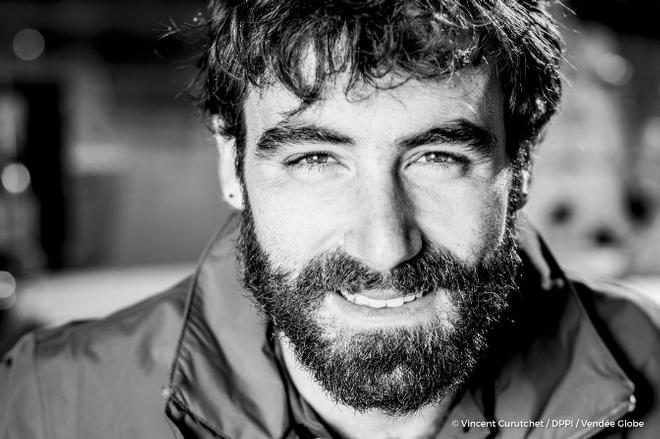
(413, 312)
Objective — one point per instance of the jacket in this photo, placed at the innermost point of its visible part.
(197, 361)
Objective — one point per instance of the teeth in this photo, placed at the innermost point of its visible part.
(359, 299)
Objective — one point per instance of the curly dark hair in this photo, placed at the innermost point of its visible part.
(253, 42)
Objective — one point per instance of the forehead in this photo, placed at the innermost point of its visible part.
(473, 94)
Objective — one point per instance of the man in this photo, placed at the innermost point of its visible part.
(379, 281)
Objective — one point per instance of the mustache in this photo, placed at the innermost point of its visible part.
(431, 269)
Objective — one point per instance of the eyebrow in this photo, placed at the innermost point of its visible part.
(460, 131)
(283, 134)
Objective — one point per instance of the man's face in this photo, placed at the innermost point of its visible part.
(377, 232)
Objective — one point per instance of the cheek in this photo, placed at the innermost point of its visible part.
(468, 218)
(293, 222)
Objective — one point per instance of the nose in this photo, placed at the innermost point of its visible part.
(384, 233)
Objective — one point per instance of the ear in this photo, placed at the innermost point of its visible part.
(526, 180)
(230, 184)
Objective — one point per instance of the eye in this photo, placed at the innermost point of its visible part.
(430, 165)
(313, 161)
(317, 158)
(442, 158)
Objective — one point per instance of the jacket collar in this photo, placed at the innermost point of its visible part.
(226, 382)
(224, 379)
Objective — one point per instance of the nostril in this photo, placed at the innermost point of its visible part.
(604, 236)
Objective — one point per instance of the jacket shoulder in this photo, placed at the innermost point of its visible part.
(627, 320)
(156, 320)
(78, 379)
(629, 324)
(622, 313)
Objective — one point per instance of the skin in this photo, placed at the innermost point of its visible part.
(366, 193)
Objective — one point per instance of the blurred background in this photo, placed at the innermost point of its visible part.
(108, 189)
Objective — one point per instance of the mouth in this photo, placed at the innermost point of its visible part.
(370, 302)
(382, 308)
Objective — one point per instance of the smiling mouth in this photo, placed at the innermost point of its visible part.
(362, 300)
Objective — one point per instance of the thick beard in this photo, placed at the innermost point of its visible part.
(395, 371)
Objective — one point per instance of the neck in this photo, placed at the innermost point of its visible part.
(349, 423)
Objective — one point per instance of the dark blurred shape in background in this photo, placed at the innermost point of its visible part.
(97, 127)
(626, 17)
(106, 164)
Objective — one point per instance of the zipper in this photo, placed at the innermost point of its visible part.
(623, 408)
